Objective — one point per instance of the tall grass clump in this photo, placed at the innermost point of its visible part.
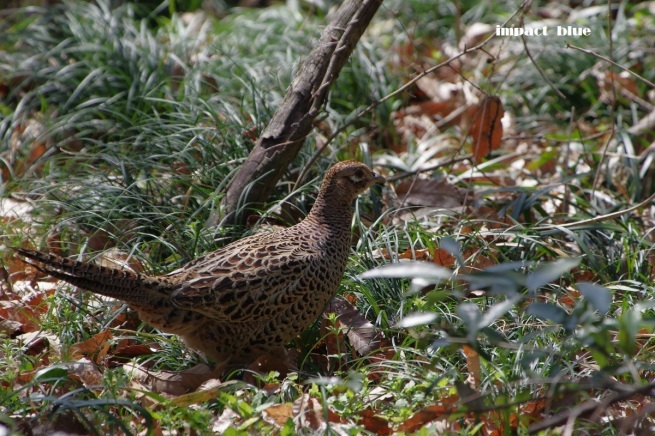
(119, 127)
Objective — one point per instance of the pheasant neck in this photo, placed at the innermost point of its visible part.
(333, 211)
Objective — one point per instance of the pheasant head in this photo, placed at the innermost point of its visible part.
(343, 182)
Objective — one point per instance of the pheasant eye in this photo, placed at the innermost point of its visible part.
(359, 174)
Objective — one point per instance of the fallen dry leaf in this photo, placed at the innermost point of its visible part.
(373, 423)
(117, 259)
(430, 414)
(27, 143)
(129, 348)
(378, 367)
(228, 418)
(207, 391)
(487, 128)
(27, 310)
(96, 347)
(278, 414)
(443, 258)
(310, 414)
(10, 328)
(361, 333)
(5, 281)
(432, 109)
(37, 342)
(336, 347)
(473, 366)
(170, 382)
(84, 371)
(266, 363)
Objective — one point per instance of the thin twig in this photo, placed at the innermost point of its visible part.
(596, 55)
(597, 219)
(403, 88)
(406, 174)
(589, 406)
(536, 65)
(555, 140)
(606, 146)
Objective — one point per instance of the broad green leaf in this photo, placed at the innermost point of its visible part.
(630, 323)
(549, 271)
(289, 428)
(599, 296)
(451, 246)
(494, 336)
(324, 381)
(437, 296)
(548, 311)
(418, 283)
(424, 270)
(509, 266)
(470, 314)
(52, 373)
(441, 342)
(498, 310)
(417, 318)
(498, 283)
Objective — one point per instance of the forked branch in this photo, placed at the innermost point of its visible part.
(292, 122)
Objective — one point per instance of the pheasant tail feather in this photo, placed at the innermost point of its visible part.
(120, 284)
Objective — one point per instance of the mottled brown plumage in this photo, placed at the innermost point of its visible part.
(249, 297)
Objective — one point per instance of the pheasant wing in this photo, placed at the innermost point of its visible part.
(244, 289)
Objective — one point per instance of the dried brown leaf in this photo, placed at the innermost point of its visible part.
(335, 344)
(86, 372)
(443, 258)
(10, 328)
(96, 347)
(266, 363)
(117, 259)
(5, 282)
(169, 382)
(278, 414)
(373, 423)
(437, 412)
(37, 342)
(227, 419)
(361, 333)
(473, 366)
(129, 348)
(18, 312)
(487, 128)
(309, 413)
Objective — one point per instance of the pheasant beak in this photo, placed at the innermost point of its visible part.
(378, 179)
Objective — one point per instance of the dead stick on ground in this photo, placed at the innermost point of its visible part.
(590, 406)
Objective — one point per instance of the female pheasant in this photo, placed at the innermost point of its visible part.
(250, 297)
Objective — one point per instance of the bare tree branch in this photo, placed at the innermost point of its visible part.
(292, 122)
